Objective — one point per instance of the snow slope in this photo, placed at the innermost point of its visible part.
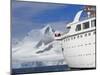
(38, 48)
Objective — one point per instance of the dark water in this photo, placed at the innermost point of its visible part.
(57, 68)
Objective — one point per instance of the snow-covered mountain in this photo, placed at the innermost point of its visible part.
(38, 46)
(47, 36)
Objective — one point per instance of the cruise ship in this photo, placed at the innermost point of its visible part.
(79, 43)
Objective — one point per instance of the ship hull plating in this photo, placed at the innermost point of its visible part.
(79, 50)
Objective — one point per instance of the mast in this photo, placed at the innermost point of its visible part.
(90, 10)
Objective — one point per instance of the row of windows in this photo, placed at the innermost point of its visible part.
(85, 25)
(88, 54)
(81, 45)
(79, 36)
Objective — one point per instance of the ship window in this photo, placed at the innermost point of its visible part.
(78, 27)
(85, 25)
(93, 23)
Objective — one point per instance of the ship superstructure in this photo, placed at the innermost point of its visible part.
(78, 44)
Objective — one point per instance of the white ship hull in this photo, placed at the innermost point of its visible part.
(80, 53)
(79, 43)
(79, 46)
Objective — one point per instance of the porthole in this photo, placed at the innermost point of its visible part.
(78, 36)
(74, 37)
(72, 46)
(89, 54)
(89, 34)
(86, 34)
(81, 36)
(81, 45)
(94, 32)
(88, 64)
(83, 54)
(86, 54)
(66, 39)
(71, 38)
(86, 44)
(80, 54)
(63, 40)
(89, 43)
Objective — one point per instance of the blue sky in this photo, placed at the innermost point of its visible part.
(30, 15)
